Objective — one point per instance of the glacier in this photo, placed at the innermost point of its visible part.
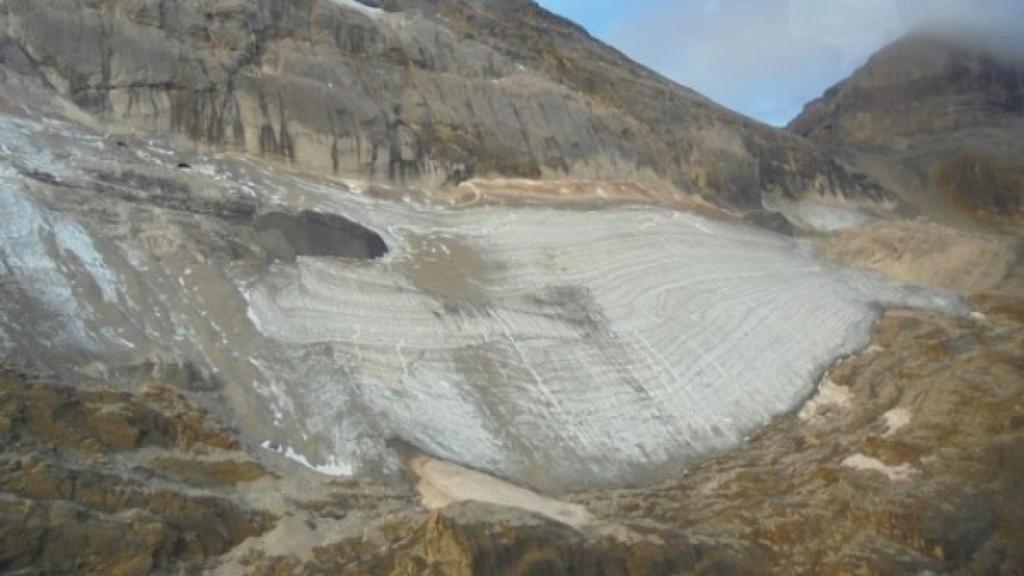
(558, 347)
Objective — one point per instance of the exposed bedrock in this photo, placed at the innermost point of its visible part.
(933, 255)
(432, 92)
(71, 504)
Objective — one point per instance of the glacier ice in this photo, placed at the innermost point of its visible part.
(599, 347)
(555, 347)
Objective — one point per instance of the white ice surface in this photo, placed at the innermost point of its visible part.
(331, 468)
(693, 332)
(352, 4)
(30, 246)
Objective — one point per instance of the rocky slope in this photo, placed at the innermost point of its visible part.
(926, 253)
(266, 308)
(420, 91)
(102, 482)
(937, 117)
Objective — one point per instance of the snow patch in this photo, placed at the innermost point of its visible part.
(826, 218)
(331, 468)
(360, 7)
(900, 473)
(830, 395)
(896, 419)
(6, 345)
(443, 484)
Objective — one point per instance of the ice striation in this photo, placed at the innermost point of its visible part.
(555, 347)
(582, 345)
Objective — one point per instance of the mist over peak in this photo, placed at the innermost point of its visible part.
(766, 58)
(999, 39)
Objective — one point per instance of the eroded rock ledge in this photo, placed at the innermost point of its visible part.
(95, 481)
(286, 236)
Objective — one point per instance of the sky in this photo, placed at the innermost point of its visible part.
(767, 58)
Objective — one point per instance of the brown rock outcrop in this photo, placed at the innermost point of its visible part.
(933, 255)
(70, 503)
(101, 421)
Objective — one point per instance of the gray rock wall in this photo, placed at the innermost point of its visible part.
(424, 93)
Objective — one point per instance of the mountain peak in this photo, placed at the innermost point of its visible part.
(938, 115)
(931, 81)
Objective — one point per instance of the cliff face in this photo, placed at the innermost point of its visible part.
(417, 91)
(939, 118)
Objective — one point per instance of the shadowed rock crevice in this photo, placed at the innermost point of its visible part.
(286, 236)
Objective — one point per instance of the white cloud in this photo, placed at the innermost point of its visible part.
(766, 58)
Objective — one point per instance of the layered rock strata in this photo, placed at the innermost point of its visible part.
(429, 92)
